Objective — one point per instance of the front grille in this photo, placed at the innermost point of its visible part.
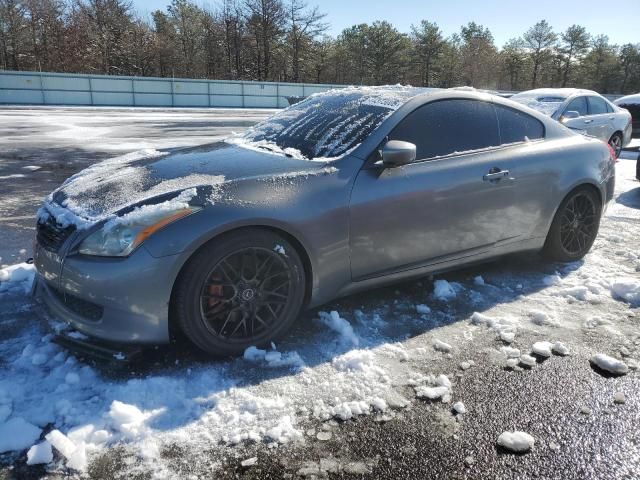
(85, 309)
(50, 235)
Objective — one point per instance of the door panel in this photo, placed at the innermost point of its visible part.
(407, 216)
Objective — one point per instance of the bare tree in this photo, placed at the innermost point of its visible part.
(304, 25)
(266, 20)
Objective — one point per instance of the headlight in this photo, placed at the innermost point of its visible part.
(121, 236)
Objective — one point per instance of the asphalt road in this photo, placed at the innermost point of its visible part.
(566, 405)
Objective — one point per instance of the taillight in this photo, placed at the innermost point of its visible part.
(612, 153)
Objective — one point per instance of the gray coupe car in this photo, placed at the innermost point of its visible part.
(345, 191)
(584, 111)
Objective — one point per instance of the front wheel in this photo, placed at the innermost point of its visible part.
(615, 142)
(575, 226)
(243, 289)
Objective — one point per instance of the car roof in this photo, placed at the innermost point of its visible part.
(541, 94)
(628, 100)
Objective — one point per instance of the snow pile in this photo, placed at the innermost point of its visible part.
(441, 346)
(609, 364)
(528, 361)
(339, 325)
(506, 328)
(459, 408)
(273, 358)
(519, 442)
(19, 277)
(443, 290)
(437, 388)
(542, 318)
(627, 289)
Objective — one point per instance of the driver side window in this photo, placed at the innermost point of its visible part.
(579, 105)
(446, 127)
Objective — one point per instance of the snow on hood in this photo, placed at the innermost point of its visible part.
(329, 124)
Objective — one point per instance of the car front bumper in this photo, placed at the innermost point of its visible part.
(122, 300)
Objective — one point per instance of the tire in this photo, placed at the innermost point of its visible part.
(245, 288)
(575, 226)
(615, 142)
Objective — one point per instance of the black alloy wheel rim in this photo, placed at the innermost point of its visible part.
(616, 144)
(245, 294)
(578, 224)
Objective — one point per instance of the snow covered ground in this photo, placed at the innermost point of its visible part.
(376, 355)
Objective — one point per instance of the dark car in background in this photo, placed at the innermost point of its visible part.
(632, 104)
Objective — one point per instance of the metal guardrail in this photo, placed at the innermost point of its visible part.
(39, 88)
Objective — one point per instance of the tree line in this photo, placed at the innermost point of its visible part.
(287, 40)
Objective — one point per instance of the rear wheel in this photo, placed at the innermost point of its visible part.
(244, 289)
(616, 143)
(575, 226)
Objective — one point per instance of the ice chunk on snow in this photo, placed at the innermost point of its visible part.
(542, 318)
(459, 407)
(432, 393)
(249, 462)
(422, 309)
(17, 434)
(528, 360)
(550, 280)
(20, 275)
(441, 346)
(579, 292)
(129, 419)
(518, 442)
(609, 364)
(339, 325)
(542, 348)
(40, 453)
(627, 289)
(443, 290)
(478, 280)
(61, 443)
(443, 381)
(510, 352)
(254, 354)
(354, 360)
(560, 348)
(505, 327)
(279, 249)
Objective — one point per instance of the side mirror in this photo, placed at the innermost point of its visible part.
(395, 153)
(570, 115)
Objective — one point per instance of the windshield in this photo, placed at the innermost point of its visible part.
(546, 104)
(329, 124)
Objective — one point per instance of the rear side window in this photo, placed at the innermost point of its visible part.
(597, 106)
(449, 126)
(516, 126)
(609, 107)
(578, 105)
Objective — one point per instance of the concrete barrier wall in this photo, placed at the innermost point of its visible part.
(32, 88)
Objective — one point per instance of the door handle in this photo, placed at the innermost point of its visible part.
(588, 121)
(495, 174)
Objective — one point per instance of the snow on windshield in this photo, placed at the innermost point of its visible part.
(546, 104)
(329, 124)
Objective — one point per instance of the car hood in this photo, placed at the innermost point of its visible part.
(114, 185)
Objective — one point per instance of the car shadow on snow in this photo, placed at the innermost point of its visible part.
(630, 198)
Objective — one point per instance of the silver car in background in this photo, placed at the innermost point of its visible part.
(345, 191)
(583, 110)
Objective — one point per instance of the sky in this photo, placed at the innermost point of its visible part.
(506, 19)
